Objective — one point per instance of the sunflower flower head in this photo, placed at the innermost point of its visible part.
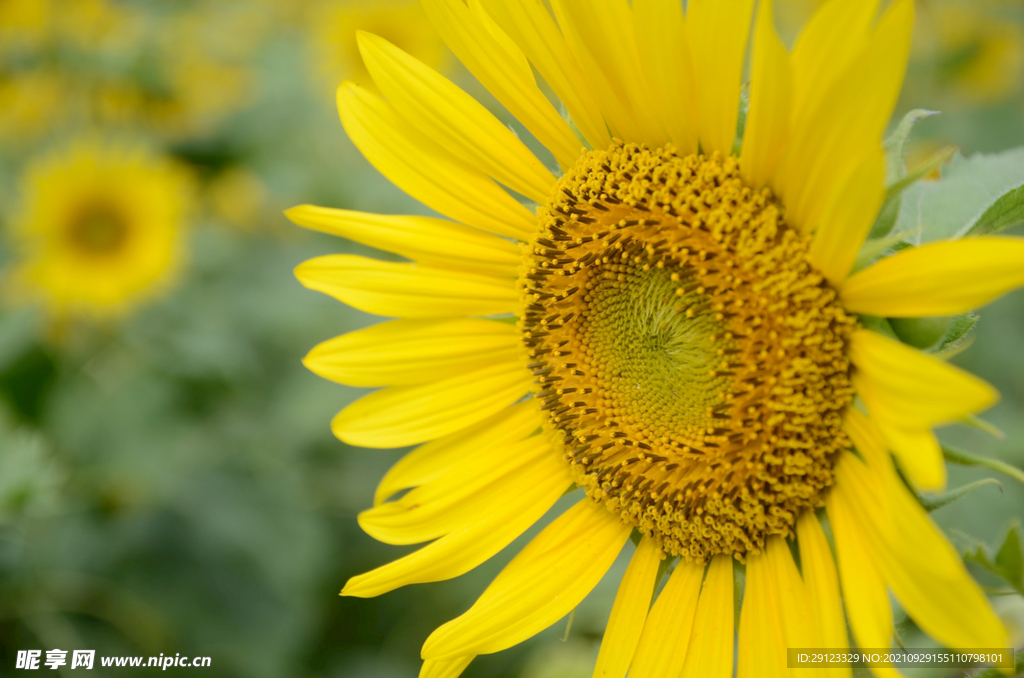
(694, 344)
(690, 359)
(100, 230)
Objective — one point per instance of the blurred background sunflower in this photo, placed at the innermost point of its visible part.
(168, 481)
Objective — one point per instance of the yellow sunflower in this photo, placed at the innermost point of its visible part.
(99, 231)
(674, 328)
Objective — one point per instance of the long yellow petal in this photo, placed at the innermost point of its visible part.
(762, 645)
(827, 46)
(446, 668)
(540, 586)
(916, 448)
(517, 503)
(921, 567)
(425, 170)
(406, 415)
(434, 459)
(664, 51)
(796, 609)
(531, 26)
(666, 636)
(500, 65)
(439, 109)
(711, 650)
(604, 43)
(939, 278)
(629, 611)
(455, 498)
(827, 143)
(407, 290)
(767, 128)
(867, 602)
(431, 241)
(847, 221)
(912, 388)
(405, 352)
(819, 572)
(718, 31)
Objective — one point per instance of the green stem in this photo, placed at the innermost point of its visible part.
(958, 456)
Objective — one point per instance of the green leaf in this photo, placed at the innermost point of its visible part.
(970, 189)
(1005, 213)
(896, 171)
(943, 336)
(1010, 557)
(937, 501)
(976, 422)
(895, 145)
(1007, 563)
(963, 458)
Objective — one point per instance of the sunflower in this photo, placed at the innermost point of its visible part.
(100, 229)
(676, 329)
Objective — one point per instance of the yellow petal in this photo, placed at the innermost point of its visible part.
(828, 141)
(847, 221)
(540, 586)
(718, 31)
(407, 290)
(919, 564)
(664, 51)
(406, 415)
(431, 241)
(671, 618)
(434, 459)
(911, 388)
(406, 352)
(821, 579)
(827, 46)
(455, 498)
(940, 278)
(629, 611)
(500, 65)
(767, 127)
(446, 668)
(796, 609)
(918, 452)
(604, 43)
(531, 26)
(425, 170)
(867, 602)
(710, 649)
(441, 111)
(762, 646)
(517, 503)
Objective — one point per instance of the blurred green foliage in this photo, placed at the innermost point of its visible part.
(169, 483)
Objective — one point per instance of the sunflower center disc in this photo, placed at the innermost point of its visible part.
(98, 230)
(690, 362)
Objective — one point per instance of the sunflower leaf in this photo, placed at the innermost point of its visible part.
(944, 336)
(937, 501)
(896, 144)
(957, 456)
(1005, 213)
(896, 171)
(1010, 557)
(1008, 561)
(976, 195)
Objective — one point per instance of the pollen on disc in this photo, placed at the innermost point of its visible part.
(689, 360)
